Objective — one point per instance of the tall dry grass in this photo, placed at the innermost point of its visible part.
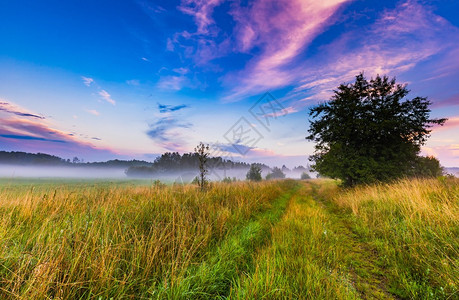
(83, 241)
(414, 225)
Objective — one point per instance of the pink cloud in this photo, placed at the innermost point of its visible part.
(106, 96)
(175, 83)
(448, 154)
(282, 29)
(201, 10)
(397, 42)
(261, 152)
(453, 100)
(87, 80)
(277, 32)
(181, 71)
(16, 110)
(204, 44)
(93, 112)
(28, 133)
(451, 123)
(283, 112)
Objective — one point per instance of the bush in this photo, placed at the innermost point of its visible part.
(229, 179)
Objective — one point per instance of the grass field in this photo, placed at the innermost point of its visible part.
(273, 240)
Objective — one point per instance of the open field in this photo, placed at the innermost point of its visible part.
(274, 240)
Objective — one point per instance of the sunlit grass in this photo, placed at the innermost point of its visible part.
(271, 240)
(107, 240)
(414, 226)
(305, 260)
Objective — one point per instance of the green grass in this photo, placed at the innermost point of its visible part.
(413, 225)
(270, 240)
(222, 265)
(312, 255)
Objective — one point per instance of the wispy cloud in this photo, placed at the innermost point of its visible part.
(25, 132)
(87, 80)
(450, 153)
(230, 150)
(262, 152)
(150, 7)
(450, 101)
(16, 110)
(164, 108)
(106, 96)
(161, 129)
(101, 92)
(282, 30)
(175, 83)
(181, 71)
(397, 42)
(451, 123)
(165, 132)
(93, 112)
(167, 129)
(277, 33)
(28, 137)
(134, 82)
(206, 43)
(201, 10)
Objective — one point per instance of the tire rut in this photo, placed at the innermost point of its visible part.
(364, 256)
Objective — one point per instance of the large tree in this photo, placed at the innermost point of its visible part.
(369, 131)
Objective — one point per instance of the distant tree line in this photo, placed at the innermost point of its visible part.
(23, 158)
(174, 161)
(42, 159)
(167, 163)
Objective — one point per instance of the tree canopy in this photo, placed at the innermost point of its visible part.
(369, 131)
(254, 173)
(276, 174)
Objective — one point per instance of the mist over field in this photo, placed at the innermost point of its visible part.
(14, 171)
(87, 172)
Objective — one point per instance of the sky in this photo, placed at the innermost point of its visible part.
(133, 79)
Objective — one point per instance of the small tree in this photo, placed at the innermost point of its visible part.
(275, 174)
(305, 175)
(228, 179)
(254, 173)
(202, 151)
(369, 132)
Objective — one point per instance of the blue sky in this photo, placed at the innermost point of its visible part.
(132, 79)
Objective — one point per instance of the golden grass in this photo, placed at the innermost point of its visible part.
(415, 225)
(72, 241)
(242, 240)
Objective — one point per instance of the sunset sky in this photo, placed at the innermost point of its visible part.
(133, 79)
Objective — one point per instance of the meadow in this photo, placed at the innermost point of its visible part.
(281, 239)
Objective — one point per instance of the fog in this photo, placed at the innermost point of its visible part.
(16, 171)
(86, 172)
